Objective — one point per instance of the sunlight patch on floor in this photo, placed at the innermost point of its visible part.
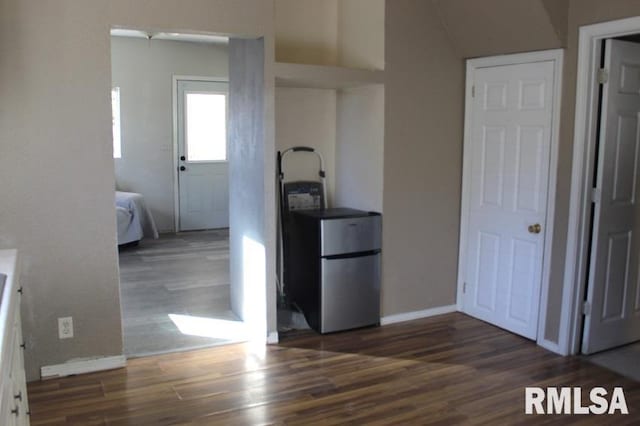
(209, 327)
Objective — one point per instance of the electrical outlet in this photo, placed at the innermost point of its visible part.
(65, 328)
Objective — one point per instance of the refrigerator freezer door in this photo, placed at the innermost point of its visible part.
(350, 235)
(350, 293)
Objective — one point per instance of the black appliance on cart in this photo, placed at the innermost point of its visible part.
(330, 265)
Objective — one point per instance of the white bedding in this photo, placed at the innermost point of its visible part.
(134, 218)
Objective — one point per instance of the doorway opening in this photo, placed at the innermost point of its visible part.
(172, 116)
(601, 294)
(611, 314)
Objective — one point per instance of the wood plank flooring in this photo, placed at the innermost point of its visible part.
(184, 274)
(449, 369)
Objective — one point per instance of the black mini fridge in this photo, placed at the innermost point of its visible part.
(333, 267)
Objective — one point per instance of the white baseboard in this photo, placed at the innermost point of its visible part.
(83, 366)
(272, 338)
(408, 316)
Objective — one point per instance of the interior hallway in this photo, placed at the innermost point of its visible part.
(173, 291)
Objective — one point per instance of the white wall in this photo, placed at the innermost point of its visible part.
(144, 70)
(307, 117)
(360, 148)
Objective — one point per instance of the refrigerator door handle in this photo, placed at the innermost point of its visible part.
(351, 255)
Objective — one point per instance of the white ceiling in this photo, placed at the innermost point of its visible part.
(194, 38)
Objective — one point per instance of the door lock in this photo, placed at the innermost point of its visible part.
(535, 229)
(183, 168)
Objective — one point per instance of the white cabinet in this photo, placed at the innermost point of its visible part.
(14, 407)
(17, 374)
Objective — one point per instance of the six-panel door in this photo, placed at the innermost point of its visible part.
(510, 141)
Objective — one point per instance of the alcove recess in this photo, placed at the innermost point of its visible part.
(330, 94)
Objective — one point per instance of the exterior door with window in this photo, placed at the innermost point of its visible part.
(203, 172)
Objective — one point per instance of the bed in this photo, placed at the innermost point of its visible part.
(134, 218)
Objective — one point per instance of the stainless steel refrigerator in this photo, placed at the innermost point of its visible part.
(332, 270)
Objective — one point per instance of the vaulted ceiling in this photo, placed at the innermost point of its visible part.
(488, 27)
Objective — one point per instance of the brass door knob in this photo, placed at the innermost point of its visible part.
(535, 229)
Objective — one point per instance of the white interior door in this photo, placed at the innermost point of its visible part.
(613, 293)
(203, 172)
(506, 172)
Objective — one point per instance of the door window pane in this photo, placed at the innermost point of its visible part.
(206, 126)
(115, 121)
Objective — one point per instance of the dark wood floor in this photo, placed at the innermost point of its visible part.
(449, 369)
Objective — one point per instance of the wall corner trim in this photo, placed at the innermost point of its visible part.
(272, 338)
(83, 366)
(414, 315)
(552, 346)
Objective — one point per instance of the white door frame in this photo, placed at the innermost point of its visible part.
(555, 55)
(583, 167)
(174, 106)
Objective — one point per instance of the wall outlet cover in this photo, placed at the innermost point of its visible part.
(65, 328)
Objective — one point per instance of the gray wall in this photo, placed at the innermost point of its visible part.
(348, 33)
(424, 119)
(493, 27)
(144, 71)
(56, 158)
(558, 11)
(306, 31)
(424, 133)
(424, 89)
(246, 185)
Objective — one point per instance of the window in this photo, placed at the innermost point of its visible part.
(115, 121)
(206, 126)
